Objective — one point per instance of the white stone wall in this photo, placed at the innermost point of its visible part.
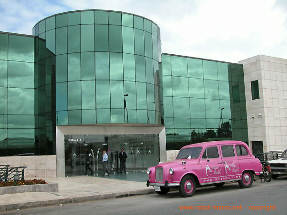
(267, 116)
(43, 166)
(171, 154)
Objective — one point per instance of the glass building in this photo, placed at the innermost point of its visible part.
(202, 100)
(95, 80)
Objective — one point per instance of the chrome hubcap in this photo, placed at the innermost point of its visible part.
(246, 177)
(188, 186)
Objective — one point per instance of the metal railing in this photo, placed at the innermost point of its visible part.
(8, 173)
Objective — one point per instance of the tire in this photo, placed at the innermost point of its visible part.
(246, 179)
(219, 184)
(274, 176)
(163, 190)
(187, 186)
(268, 177)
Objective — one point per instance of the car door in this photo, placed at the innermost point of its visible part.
(230, 162)
(212, 165)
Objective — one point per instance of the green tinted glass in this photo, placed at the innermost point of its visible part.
(4, 46)
(140, 68)
(196, 88)
(61, 20)
(16, 105)
(197, 108)
(138, 22)
(115, 18)
(147, 25)
(88, 95)
(89, 117)
(102, 65)
(101, 38)
(74, 35)
(61, 96)
(74, 67)
(115, 38)
(116, 66)
(88, 66)
(42, 26)
(74, 18)
(102, 94)
(128, 40)
(103, 116)
(179, 66)
(20, 74)
(148, 45)
(211, 89)
(139, 42)
(87, 38)
(75, 117)
(117, 115)
(141, 95)
(61, 68)
(50, 23)
(117, 94)
(101, 17)
(195, 68)
(21, 48)
(210, 70)
(74, 95)
(129, 67)
(61, 40)
(130, 90)
(87, 17)
(50, 40)
(127, 20)
(3, 73)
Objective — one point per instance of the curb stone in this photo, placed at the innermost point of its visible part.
(68, 200)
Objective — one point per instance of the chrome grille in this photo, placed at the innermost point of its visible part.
(159, 174)
(278, 165)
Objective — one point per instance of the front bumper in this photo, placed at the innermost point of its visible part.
(166, 184)
(279, 170)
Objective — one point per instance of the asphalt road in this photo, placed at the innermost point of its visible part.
(254, 200)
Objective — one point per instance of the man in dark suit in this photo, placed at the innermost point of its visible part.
(123, 157)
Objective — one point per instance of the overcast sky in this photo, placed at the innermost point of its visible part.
(228, 30)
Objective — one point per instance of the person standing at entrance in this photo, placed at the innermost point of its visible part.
(105, 162)
(123, 157)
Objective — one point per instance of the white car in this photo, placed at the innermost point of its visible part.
(279, 166)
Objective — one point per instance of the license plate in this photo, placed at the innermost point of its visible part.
(156, 188)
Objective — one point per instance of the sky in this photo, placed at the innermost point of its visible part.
(226, 30)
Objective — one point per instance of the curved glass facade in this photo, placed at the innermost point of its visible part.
(107, 65)
(202, 100)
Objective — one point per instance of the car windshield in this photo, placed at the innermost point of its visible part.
(189, 153)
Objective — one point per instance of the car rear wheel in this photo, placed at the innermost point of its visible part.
(163, 190)
(246, 179)
(187, 186)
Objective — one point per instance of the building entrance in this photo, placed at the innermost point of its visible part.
(84, 153)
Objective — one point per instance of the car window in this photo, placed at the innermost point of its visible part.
(227, 151)
(211, 152)
(190, 153)
(241, 150)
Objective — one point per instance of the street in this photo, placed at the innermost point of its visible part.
(261, 198)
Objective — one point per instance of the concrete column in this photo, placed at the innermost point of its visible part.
(60, 153)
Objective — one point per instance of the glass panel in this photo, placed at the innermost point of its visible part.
(61, 40)
(87, 17)
(61, 68)
(104, 116)
(42, 26)
(147, 25)
(197, 108)
(166, 65)
(139, 42)
(62, 118)
(211, 89)
(102, 65)
(212, 108)
(222, 71)
(130, 90)
(255, 90)
(148, 45)
(167, 86)
(117, 94)
(180, 86)
(115, 18)
(149, 71)
(16, 102)
(168, 107)
(116, 66)
(3, 73)
(196, 88)
(227, 151)
(197, 123)
(224, 90)
(88, 66)
(88, 95)
(179, 66)
(89, 117)
(61, 20)
(74, 18)
(140, 68)
(127, 20)
(195, 68)
(74, 35)
(141, 96)
(61, 96)
(129, 67)
(74, 67)
(102, 94)
(117, 115)
(4, 46)
(21, 121)
(87, 38)
(101, 38)
(21, 48)
(128, 40)
(3, 100)
(142, 116)
(115, 38)
(50, 23)
(138, 22)
(210, 69)
(74, 95)
(101, 17)
(50, 40)
(75, 117)
(20, 74)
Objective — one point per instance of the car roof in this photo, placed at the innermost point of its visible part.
(213, 143)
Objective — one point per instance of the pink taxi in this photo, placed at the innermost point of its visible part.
(206, 163)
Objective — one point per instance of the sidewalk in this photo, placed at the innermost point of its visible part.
(74, 189)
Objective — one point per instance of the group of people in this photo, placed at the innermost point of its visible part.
(122, 157)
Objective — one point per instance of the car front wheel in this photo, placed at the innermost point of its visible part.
(246, 179)
(163, 190)
(187, 186)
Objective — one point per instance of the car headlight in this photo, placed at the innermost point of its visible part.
(148, 171)
(171, 171)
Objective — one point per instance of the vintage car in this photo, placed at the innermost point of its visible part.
(279, 166)
(206, 163)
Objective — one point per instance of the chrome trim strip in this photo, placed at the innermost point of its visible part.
(162, 185)
(215, 182)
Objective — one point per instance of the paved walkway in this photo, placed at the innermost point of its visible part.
(74, 189)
